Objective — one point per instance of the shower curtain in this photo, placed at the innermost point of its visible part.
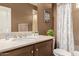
(65, 39)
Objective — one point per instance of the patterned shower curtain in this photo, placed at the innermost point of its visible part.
(65, 39)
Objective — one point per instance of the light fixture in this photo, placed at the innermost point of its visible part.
(35, 24)
(77, 5)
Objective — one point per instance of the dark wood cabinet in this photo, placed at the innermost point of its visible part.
(38, 49)
(43, 48)
(24, 51)
(29, 51)
(16, 52)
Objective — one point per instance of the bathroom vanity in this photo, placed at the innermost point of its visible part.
(41, 46)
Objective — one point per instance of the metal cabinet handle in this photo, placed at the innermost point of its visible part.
(32, 51)
(37, 49)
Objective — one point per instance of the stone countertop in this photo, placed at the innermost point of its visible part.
(6, 45)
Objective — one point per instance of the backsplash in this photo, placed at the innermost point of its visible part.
(15, 35)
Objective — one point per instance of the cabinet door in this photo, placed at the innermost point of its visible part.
(29, 51)
(43, 48)
(24, 51)
(17, 52)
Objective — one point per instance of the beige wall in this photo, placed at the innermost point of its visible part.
(21, 13)
(55, 17)
(42, 26)
(75, 17)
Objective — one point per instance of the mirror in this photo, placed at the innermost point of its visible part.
(20, 15)
(5, 19)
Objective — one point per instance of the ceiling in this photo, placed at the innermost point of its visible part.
(43, 4)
